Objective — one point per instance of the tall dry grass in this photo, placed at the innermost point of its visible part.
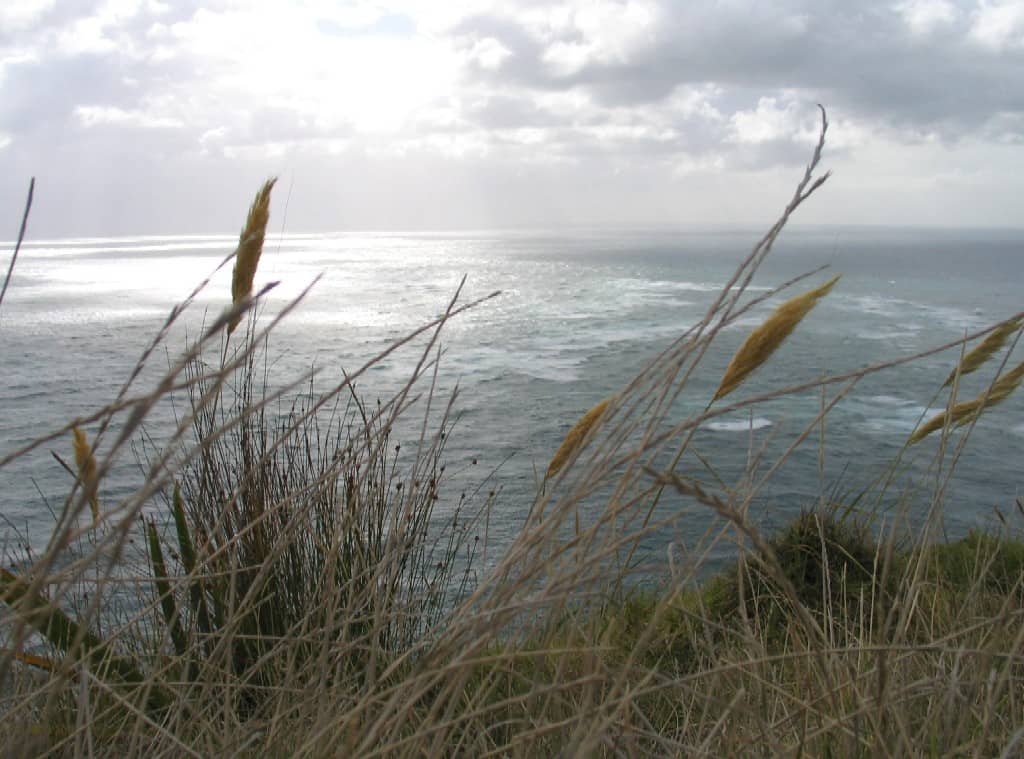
(315, 604)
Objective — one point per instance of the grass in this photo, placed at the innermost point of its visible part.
(313, 586)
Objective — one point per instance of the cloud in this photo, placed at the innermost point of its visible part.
(999, 25)
(869, 59)
(487, 92)
(96, 116)
(924, 17)
(19, 15)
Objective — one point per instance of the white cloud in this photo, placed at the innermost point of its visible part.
(616, 29)
(16, 58)
(924, 17)
(769, 121)
(97, 115)
(18, 15)
(489, 54)
(999, 24)
(605, 31)
(686, 165)
(568, 58)
(695, 102)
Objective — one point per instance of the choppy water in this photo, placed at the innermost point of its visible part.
(579, 314)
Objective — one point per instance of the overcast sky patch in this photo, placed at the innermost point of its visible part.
(409, 114)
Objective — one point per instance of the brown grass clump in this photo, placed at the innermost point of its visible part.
(86, 463)
(577, 435)
(250, 246)
(962, 413)
(764, 340)
(985, 350)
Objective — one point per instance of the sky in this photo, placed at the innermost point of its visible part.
(164, 116)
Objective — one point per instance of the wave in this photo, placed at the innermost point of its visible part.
(60, 251)
(890, 400)
(72, 242)
(907, 315)
(899, 416)
(653, 285)
(896, 334)
(491, 362)
(739, 425)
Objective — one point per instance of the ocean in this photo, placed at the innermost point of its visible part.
(579, 313)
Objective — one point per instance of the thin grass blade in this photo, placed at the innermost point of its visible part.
(197, 599)
(163, 589)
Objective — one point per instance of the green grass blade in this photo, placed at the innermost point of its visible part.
(51, 622)
(69, 636)
(197, 598)
(163, 587)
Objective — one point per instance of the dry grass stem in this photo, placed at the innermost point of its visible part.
(766, 339)
(964, 412)
(985, 350)
(21, 238)
(575, 438)
(250, 246)
(86, 463)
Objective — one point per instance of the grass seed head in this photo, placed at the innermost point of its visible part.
(764, 340)
(86, 463)
(964, 412)
(576, 436)
(250, 246)
(987, 348)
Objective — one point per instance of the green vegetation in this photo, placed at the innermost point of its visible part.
(299, 576)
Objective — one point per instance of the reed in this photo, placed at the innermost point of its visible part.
(577, 436)
(250, 247)
(964, 412)
(86, 463)
(985, 350)
(767, 338)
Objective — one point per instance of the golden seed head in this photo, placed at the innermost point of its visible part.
(575, 438)
(987, 348)
(86, 463)
(764, 340)
(250, 247)
(963, 413)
